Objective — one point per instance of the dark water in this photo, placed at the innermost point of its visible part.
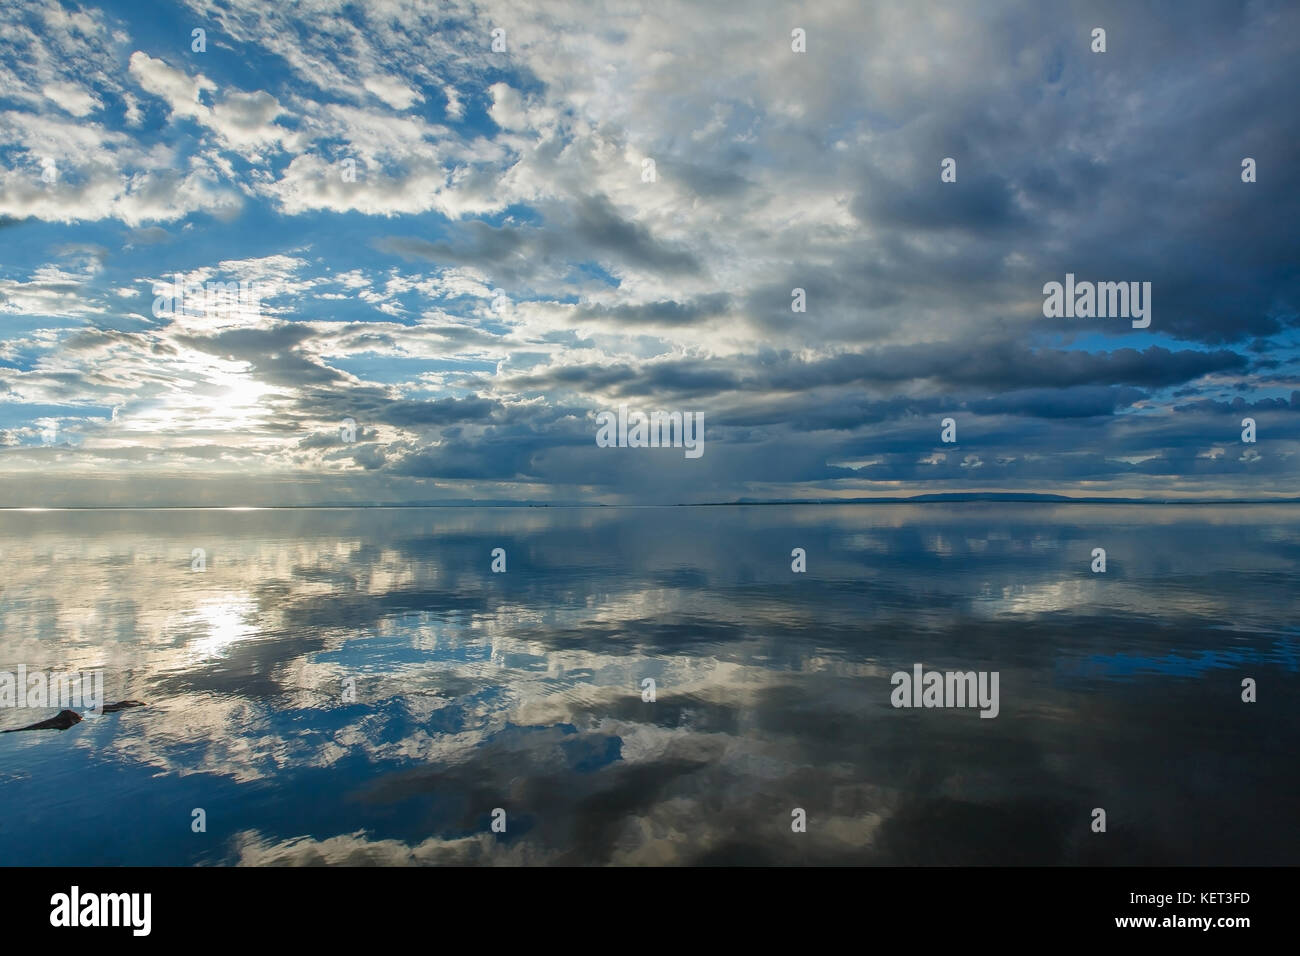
(523, 690)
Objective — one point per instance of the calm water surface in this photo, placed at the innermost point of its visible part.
(522, 690)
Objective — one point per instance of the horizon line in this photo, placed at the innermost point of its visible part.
(933, 498)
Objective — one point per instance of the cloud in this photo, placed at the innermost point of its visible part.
(181, 91)
(393, 92)
(457, 247)
(71, 98)
(507, 109)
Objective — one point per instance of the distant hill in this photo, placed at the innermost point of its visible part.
(959, 496)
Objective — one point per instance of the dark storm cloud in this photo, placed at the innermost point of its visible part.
(689, 377)
(598, 222)
(588, 229)
(1080, 402)
(488, 459)
(1056, 173)
(444, 411)
(981, 204)
(1007, 367)
(273, 353)
(714, 181)
(369, 406)
(665, 312)
(1242, 405)
(1004, 368)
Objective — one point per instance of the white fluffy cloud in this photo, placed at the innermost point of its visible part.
(181, 91)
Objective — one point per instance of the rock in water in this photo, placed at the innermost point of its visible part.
(122, 705)
(60, 721)
(66, 718)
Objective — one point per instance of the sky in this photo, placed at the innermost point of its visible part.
(465, 230)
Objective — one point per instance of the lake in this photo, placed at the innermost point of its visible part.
(359, 686)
